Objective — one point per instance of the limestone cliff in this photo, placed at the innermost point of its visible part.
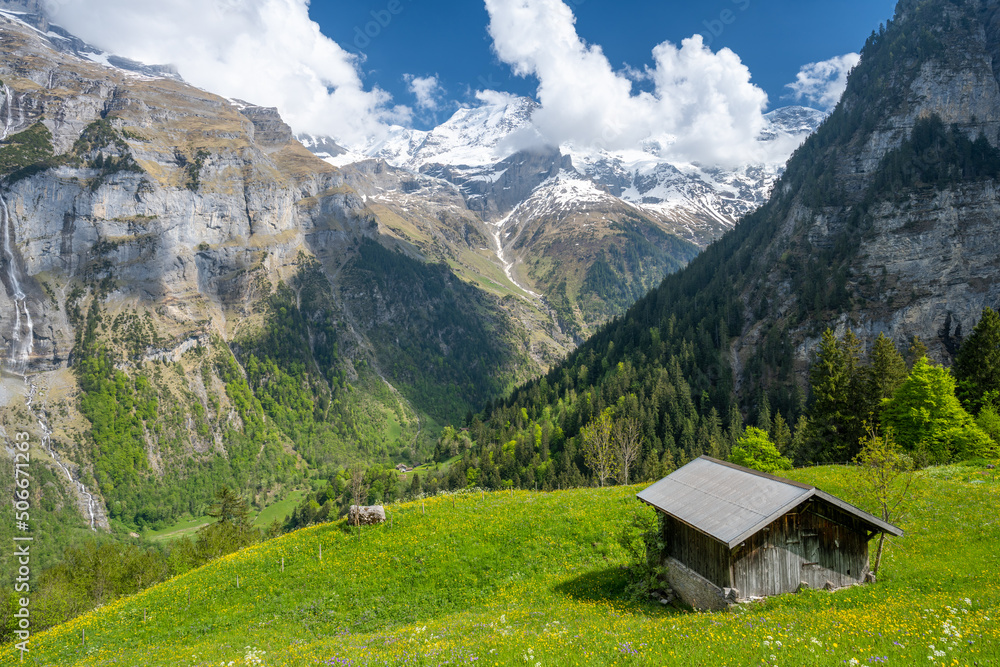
(886, 219)
(186, 289)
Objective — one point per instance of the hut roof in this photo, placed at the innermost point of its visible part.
(730, 503)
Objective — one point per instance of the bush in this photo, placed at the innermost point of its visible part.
(641, 539)
(989, 421)
(928, 419)
(755, 450)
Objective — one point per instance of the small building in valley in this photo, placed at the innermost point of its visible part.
(732, 533)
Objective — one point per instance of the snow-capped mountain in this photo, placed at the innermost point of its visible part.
(31, 13)
(472, 137)
(564, 219)
(794, 121)
(701, 202)
(475, 147)
(323, 147)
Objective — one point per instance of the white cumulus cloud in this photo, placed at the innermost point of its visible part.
(267, 52)
(823, 83)
(703, 107)
(427, 90)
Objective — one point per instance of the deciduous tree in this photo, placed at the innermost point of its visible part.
(598, 452)
(755, 450)
(358, 489)
(927, 418)
(887, 477)
(627, 445)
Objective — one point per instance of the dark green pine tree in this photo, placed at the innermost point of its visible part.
(781, 435)
(916, 352)
(835, 425)
(230, 508)
(885, 372)
(977, 366)
(764, 414)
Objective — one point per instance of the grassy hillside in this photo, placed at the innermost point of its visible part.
(501, 579)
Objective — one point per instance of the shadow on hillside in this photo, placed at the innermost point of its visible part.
(610, 586)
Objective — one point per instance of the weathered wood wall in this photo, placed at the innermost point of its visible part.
(817, 543)
(701, 553)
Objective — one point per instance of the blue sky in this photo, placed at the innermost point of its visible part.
(614, 75)
(449, 38)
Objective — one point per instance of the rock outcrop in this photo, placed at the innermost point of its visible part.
(365, 516)
(914, 258)
(151, 224)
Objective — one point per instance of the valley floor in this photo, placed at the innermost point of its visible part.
(538, 579)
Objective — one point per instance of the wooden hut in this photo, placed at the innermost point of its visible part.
(732, 533)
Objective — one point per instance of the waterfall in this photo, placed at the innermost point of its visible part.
(508, 267)
(23, 334)
(8, 102)
(86, 499)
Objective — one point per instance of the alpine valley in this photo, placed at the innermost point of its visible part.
(883, 226)
(205, 316)
(195, 297)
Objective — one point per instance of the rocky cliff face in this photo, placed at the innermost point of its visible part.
(880, 206)
(202, 191)
(188, 247)
(512, 181)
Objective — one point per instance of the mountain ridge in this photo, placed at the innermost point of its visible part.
(505, 172)
(475, 143)
(182, 298)
(881, 223)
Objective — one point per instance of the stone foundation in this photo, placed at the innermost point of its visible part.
(696, 590)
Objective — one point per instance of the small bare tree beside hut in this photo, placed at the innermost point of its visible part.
(887, 476)
(359, 490)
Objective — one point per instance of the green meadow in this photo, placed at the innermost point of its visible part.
(188, 526)
(540, 579)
